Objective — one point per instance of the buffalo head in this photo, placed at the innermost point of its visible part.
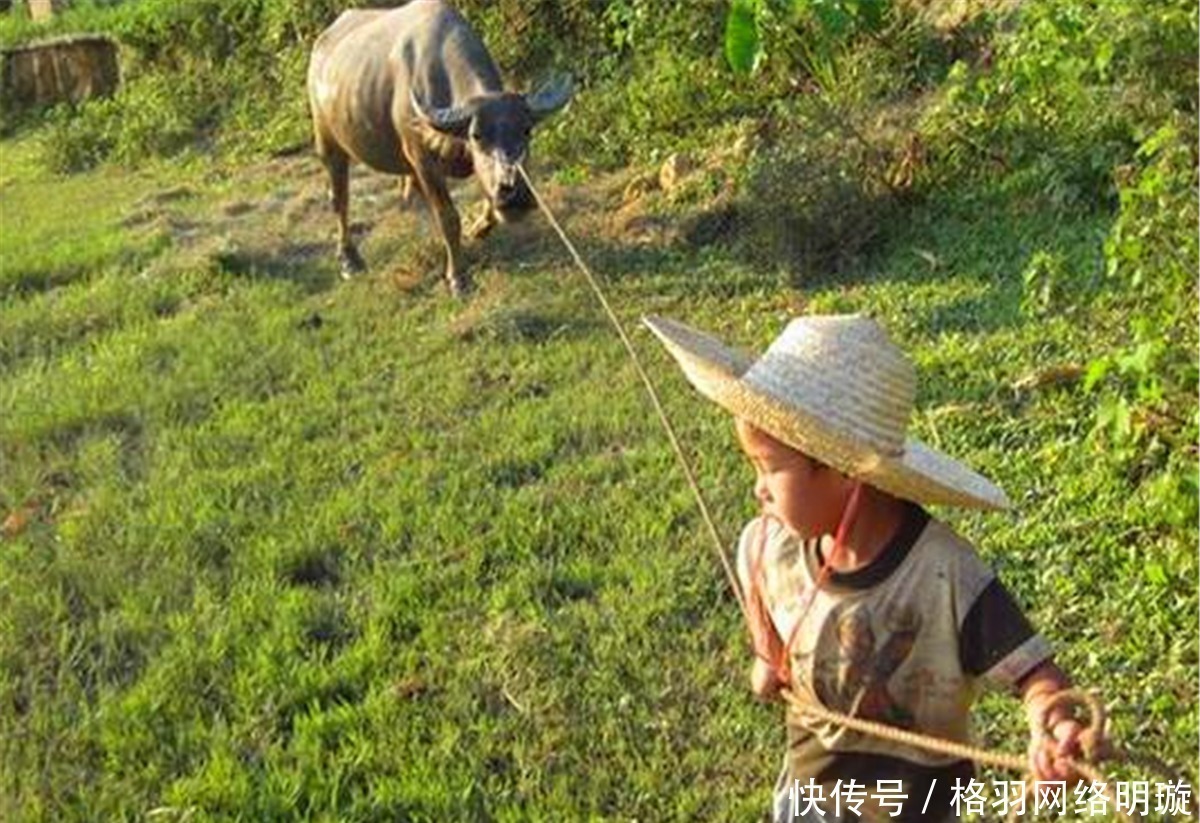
(496, 128)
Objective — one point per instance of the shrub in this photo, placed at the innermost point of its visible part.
(78, 139)
(1060, 99)
(1151, 256)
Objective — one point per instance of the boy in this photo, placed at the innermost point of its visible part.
(858, 600)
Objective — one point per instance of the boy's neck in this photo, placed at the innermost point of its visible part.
(879, 517)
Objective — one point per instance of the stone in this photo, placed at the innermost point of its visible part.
(674, 169)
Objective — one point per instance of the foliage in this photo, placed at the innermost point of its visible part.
(1144, 387)
(154, 115)
(1063, 94)
(278, 546)
(1152, 238)
(652, 59)
(274, 546)
(812, 33)
(193, 70)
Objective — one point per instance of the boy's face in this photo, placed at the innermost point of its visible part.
(807, 497)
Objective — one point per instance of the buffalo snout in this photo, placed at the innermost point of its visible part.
(514, 201)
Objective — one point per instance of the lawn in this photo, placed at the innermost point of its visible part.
(278, 546)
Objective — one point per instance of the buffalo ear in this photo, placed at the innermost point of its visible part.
(454, 120)
(551, 97)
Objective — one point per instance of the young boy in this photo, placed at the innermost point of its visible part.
(858, 600)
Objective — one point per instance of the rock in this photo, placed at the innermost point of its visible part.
(676, 167)
(1052, 376)
(638, 187)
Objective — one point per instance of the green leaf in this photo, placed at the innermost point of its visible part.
(1139, 361)
(870, 13)
(1122, 420)
(832, 15)
(1096, 372)
(1156, 574)
(1104, 56)
(742, 46)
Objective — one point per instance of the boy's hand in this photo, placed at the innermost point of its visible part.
(1048, 750)
(764, 681)
(1054, 734)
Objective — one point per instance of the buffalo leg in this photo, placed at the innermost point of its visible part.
(407, 189)
(337, 163)
(433, 186)
(482, 225)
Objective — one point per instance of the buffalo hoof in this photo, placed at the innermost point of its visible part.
(351, 263)
(482, 226)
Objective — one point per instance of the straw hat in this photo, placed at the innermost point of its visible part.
(837, 389)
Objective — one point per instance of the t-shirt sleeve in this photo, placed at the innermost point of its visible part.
(996, 641)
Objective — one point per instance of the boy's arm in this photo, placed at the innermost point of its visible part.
(764, 682)
(1053, 731)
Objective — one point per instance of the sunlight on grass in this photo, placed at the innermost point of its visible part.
(290, 547)
(51, 241)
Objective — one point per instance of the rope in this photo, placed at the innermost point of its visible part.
(936, 745)
(658, 407)
(813, 710)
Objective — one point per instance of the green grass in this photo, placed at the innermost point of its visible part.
(302, 549)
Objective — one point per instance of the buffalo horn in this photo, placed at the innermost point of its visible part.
(551, 97)
(452, 120)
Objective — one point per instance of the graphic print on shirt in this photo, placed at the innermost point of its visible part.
(860, 653)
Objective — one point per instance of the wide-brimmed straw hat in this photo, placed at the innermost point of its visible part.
(837, 389)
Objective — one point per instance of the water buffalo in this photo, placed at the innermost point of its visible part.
(413, 91)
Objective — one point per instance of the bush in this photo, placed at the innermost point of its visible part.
(152, 116)
(1061, 97)
(1151, 256)
(78, 139)
(656, 62)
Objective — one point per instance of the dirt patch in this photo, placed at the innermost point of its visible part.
(279, 225)
(237, 208)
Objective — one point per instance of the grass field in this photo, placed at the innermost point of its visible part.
(281, 547)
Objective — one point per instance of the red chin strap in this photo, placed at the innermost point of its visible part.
(758, 617)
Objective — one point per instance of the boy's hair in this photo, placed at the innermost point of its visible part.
(758, 430)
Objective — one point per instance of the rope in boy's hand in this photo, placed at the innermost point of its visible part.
(1093, 743)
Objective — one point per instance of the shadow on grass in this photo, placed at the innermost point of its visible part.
(308, 265)
(46, 277)
(985, 238)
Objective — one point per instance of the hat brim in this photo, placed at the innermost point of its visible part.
(918, 473)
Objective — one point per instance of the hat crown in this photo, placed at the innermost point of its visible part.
(846, 370)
